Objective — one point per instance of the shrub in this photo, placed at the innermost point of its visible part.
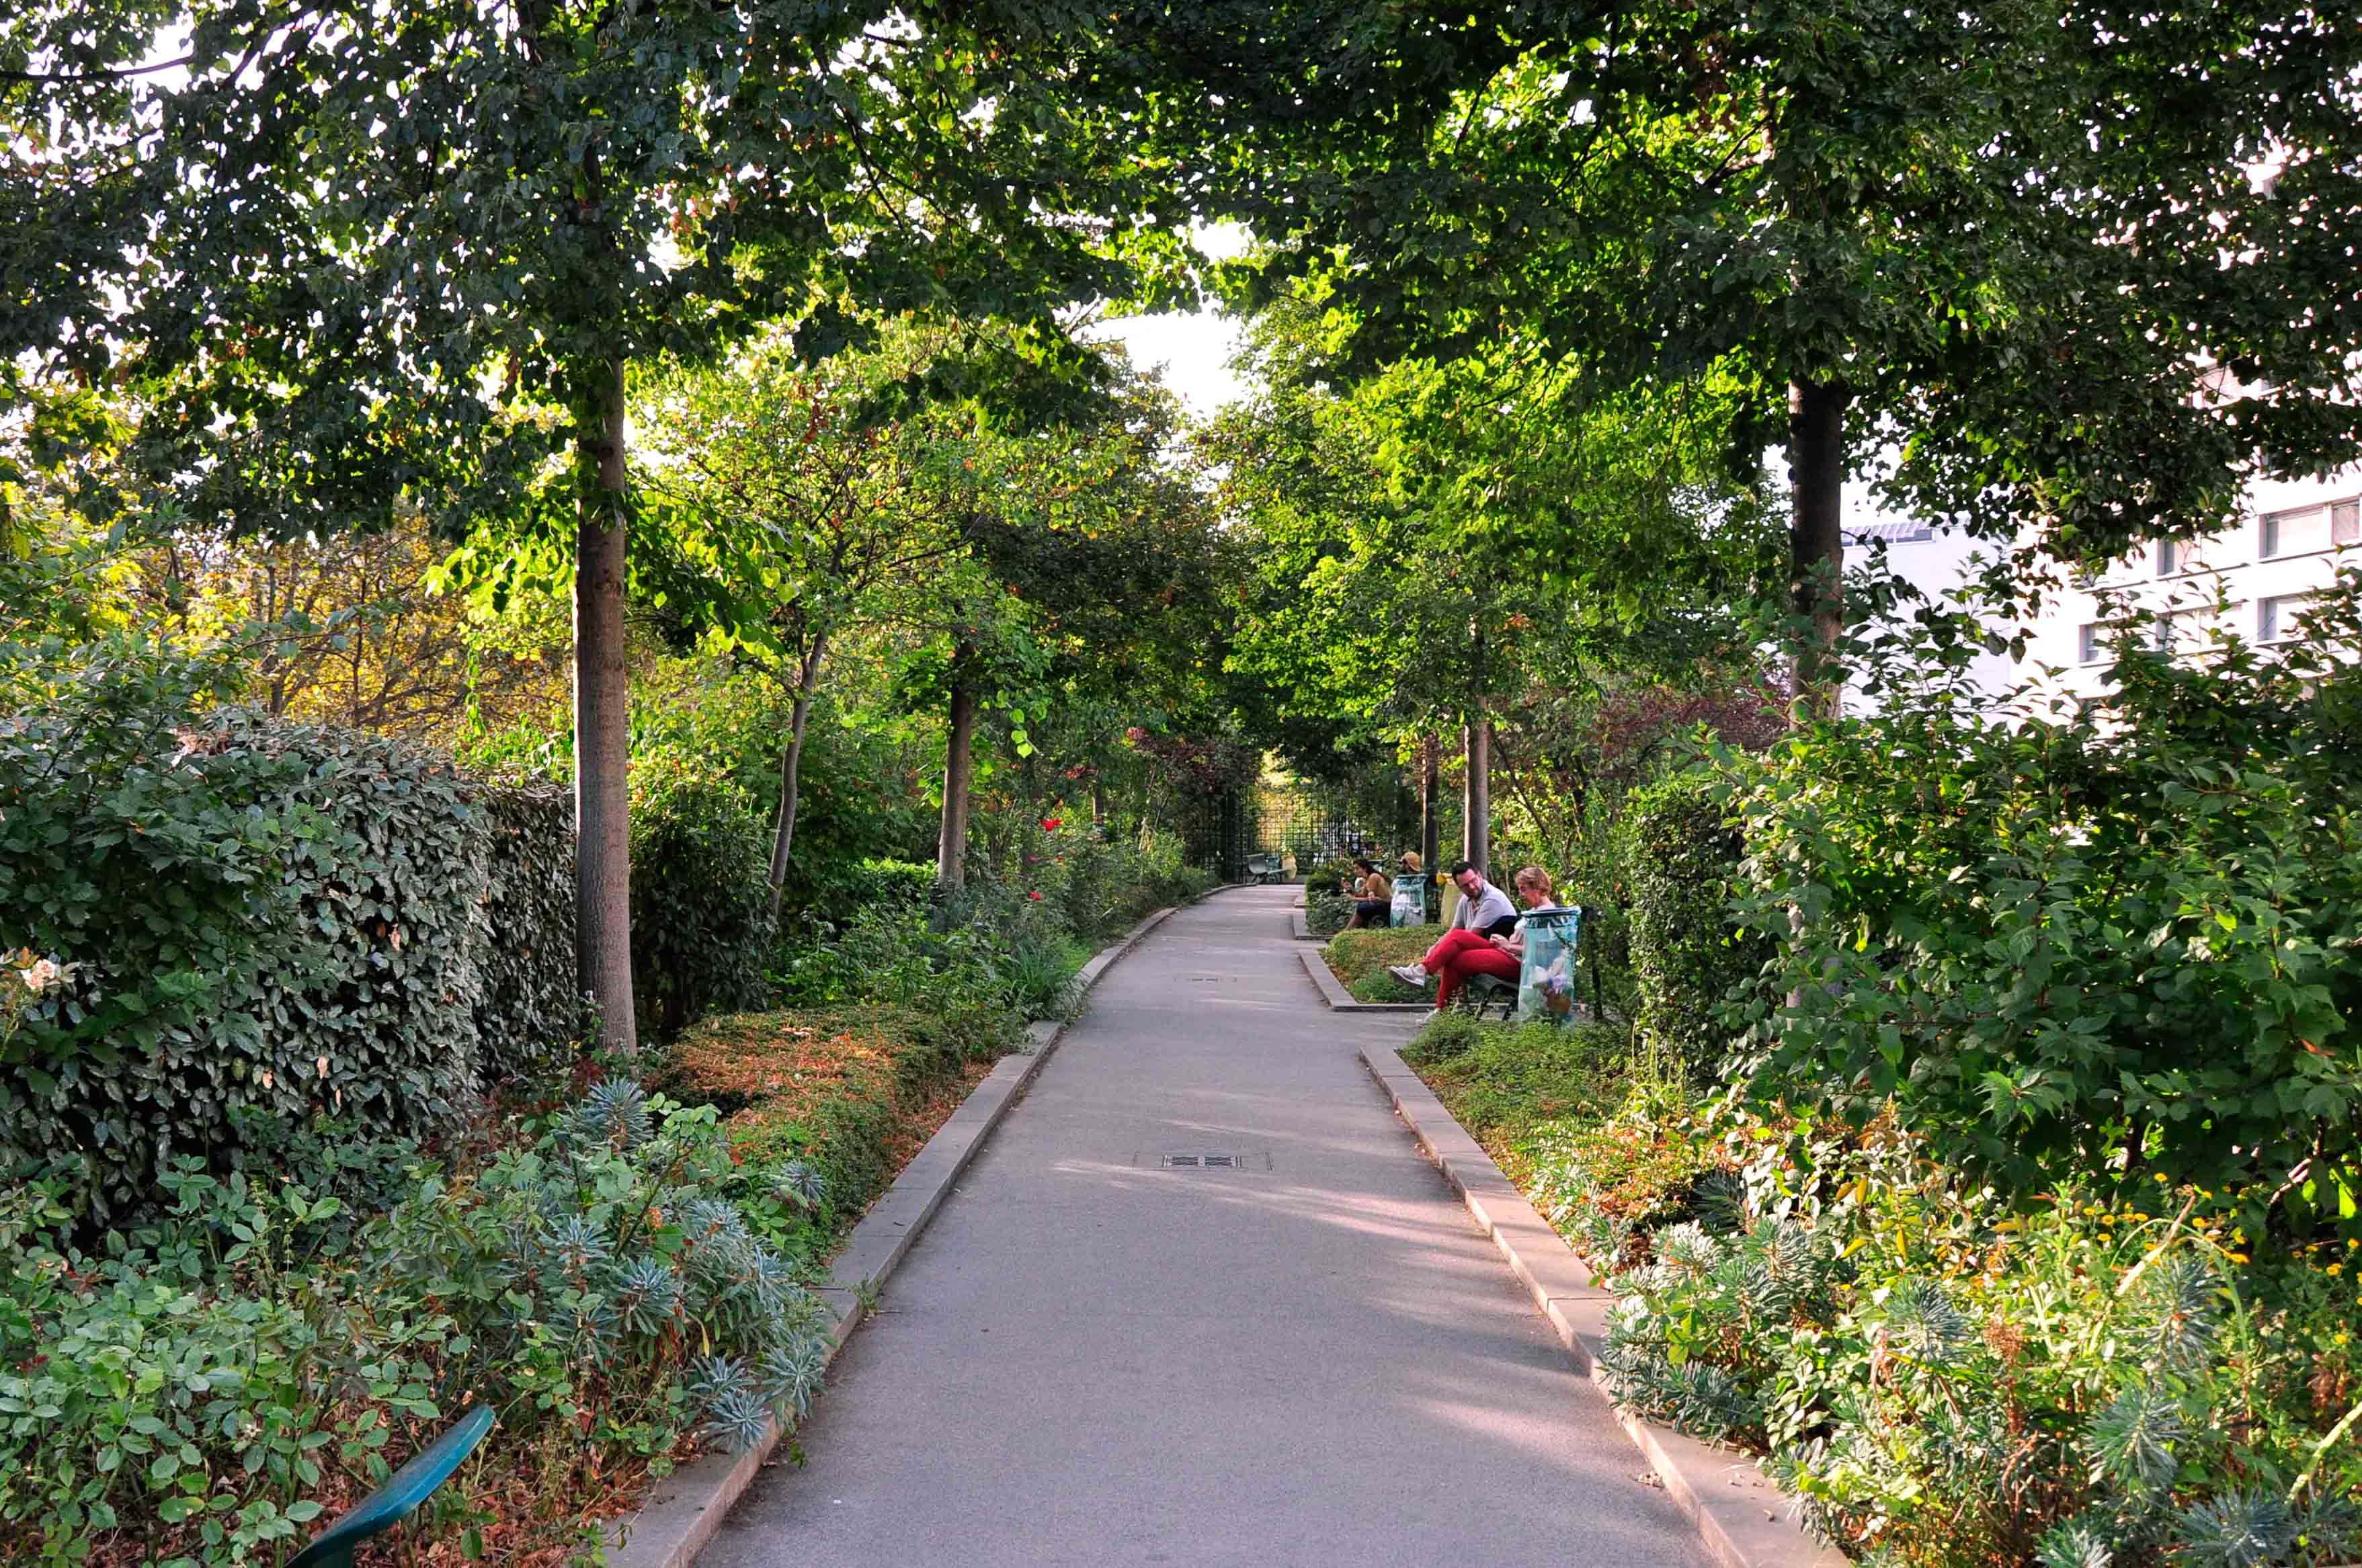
(613, 1255)
(531, 999)
(235, 915)
(2116, 936)
(1690, 960)
(906, 887)
(1325, 909)
(1941, 1381)
(700, 865)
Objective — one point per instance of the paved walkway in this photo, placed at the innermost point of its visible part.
(1088, 1360)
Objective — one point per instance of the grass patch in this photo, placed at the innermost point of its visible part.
(1359, 960)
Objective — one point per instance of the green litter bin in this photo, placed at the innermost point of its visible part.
(1546, 976)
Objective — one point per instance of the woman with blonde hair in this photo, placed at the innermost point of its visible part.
(1464, 954)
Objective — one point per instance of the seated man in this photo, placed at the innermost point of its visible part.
(1484, 938)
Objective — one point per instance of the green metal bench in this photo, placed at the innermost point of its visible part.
(399, 1496)
(1265, 867)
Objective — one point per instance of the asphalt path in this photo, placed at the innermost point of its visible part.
(1096, 1357)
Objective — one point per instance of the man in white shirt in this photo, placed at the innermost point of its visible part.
(1484, 911)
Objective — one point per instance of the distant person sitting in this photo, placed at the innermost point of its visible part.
(1484, 938)
(1372, 897)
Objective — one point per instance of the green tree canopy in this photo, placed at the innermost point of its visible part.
(345, 259)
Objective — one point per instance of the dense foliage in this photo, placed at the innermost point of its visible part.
(2116, 935)
(700, 933)
(1689, 960)
(234, 916)
(1940, 1377)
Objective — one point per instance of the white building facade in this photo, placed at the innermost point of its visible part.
(2250, 581)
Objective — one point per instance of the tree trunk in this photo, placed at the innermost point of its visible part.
(951, 844)
(791, 762)
(602, 695)
(1476, 838)
(1816, 543)
(1430, 808)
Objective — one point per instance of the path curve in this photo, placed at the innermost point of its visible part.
(1090, 1360)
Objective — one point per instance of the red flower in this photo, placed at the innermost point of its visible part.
(1036, 896)
(1050, 824)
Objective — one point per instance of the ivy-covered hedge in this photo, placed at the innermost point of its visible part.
(230, 922)
(1688, 958)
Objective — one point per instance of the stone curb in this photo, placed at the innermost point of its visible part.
(1297, 929)
(1742, 1518)
(1338, 999)
(685, 1509)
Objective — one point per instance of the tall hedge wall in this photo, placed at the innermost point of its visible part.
(1689, 958)
(250, 915)
(530, 999)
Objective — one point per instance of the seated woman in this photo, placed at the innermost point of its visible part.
(1463, 953)
(1372, 897)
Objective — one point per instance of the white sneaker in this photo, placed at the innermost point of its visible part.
(1411, 974)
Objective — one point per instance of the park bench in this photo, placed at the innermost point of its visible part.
(1263, 868)
(402, 1492)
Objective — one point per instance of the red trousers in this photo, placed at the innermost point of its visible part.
(1462, 954)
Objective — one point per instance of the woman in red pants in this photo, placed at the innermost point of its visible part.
(1463, 953)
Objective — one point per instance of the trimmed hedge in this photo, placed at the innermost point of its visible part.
(530, 999)
(252, 921)
(701, 867)
(1689, 960)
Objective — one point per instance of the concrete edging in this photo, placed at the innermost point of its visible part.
(684, 1510)
(1298, 929)
(1338, 999)
(1742, 1518)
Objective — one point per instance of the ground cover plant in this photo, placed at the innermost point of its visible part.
(1941, 1371)
(1359, 958)
(624, 1276)
(822, 1106)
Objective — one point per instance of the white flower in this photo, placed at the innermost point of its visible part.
(45, 973)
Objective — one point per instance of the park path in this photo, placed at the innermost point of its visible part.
(1089, 1360)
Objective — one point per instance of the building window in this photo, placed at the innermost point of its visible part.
(2276, 617)
(2303, 529)
(2088, 646)
(2168, 557)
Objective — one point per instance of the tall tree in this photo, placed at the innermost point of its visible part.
(1420, 533)
(1091, 584)
(789, 510)
(348, 259)
(2015, 240)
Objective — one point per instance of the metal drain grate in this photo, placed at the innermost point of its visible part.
(1202, 1160)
